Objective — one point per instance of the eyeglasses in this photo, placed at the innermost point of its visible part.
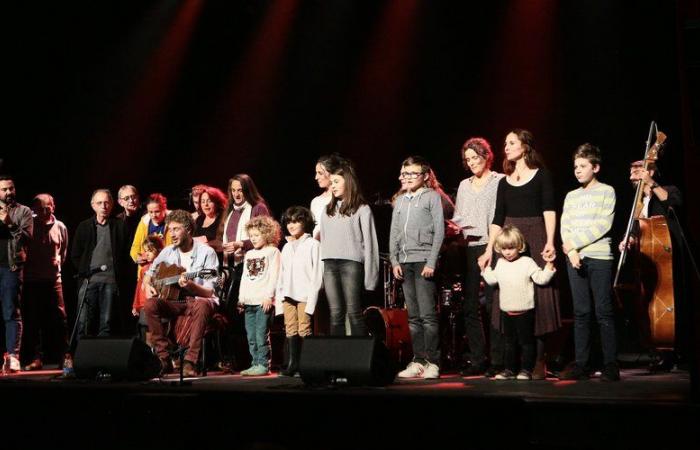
(126, 198)
(410, 175)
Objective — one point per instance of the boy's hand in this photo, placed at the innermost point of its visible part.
(574, 259)
(427, 272)
(398, 273)
(267, 305)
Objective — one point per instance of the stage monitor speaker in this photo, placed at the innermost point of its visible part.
(358, 360)
(114, 358)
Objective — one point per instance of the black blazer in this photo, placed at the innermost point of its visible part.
(85, 240)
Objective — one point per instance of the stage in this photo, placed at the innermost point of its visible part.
(229, 411)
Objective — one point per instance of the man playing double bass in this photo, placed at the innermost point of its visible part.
(664, 201)
(197, 297)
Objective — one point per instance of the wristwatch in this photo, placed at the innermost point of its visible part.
(655, 185)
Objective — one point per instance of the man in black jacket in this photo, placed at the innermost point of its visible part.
(99, 247)
(664, 200)
(16, 226)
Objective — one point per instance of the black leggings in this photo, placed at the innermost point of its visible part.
(519, 329)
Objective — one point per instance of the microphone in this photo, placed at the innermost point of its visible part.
(92, 271)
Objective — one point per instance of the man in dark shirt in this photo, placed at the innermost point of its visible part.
(664, 201)
(16, 226)
(98, 247)
(129, 199)
(43, 308)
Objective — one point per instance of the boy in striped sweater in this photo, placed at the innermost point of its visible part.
(585, 225)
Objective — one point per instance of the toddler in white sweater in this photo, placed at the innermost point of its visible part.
(514, 274)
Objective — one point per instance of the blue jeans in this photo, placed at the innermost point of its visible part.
(343, 281)
(10, 288)
(593, 279)
(257, 328)
(423, 321)
(99, 299)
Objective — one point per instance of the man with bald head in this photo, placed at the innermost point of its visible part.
(99, 245)
(43, 310)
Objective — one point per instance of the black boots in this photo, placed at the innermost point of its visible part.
(292, 369)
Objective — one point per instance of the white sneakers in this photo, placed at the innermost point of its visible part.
(10, 363)
(431, 372)
(414, 369)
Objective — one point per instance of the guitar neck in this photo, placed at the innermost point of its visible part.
(172, 280)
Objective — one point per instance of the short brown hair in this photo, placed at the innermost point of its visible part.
(152, 243)
(182, 217)
(481, 147)
(589, 152)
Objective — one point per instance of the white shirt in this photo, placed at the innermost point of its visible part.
(260, 271)
(301, 273)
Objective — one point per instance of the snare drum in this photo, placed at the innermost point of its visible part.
(391, 327)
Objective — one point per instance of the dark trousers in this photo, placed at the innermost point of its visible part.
(10, 291)
(344, 280)
(519, 331)
(423, 322)
(473, 325)
(592, 281)
(45, 321)
(235, 329)
(97, 309)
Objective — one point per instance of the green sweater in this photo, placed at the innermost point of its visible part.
(587, 218)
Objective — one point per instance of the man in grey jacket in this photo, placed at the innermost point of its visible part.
(16, 227)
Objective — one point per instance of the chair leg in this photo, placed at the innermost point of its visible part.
(204, 356)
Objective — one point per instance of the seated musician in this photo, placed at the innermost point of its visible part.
(196, 298)
(659, 200)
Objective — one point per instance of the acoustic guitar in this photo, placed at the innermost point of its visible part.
(165, 280)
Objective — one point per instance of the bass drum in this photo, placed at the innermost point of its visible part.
(391, 327)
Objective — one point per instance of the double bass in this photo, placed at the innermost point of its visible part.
(651, 256)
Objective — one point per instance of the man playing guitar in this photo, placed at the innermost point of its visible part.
(197, 298)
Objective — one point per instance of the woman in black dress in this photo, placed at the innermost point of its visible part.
(525, 199)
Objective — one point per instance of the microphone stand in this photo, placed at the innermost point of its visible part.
(81, 304)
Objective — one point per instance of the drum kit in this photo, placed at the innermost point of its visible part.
(390, 322)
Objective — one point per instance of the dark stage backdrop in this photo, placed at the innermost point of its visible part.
(167, 94)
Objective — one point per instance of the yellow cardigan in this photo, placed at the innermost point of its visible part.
(141, 233)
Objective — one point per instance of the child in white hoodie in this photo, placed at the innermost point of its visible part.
(300, 279)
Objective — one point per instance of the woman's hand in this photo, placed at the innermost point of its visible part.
(549, 252)
(485, 260)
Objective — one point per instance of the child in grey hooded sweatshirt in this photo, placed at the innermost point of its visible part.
(417, 231)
